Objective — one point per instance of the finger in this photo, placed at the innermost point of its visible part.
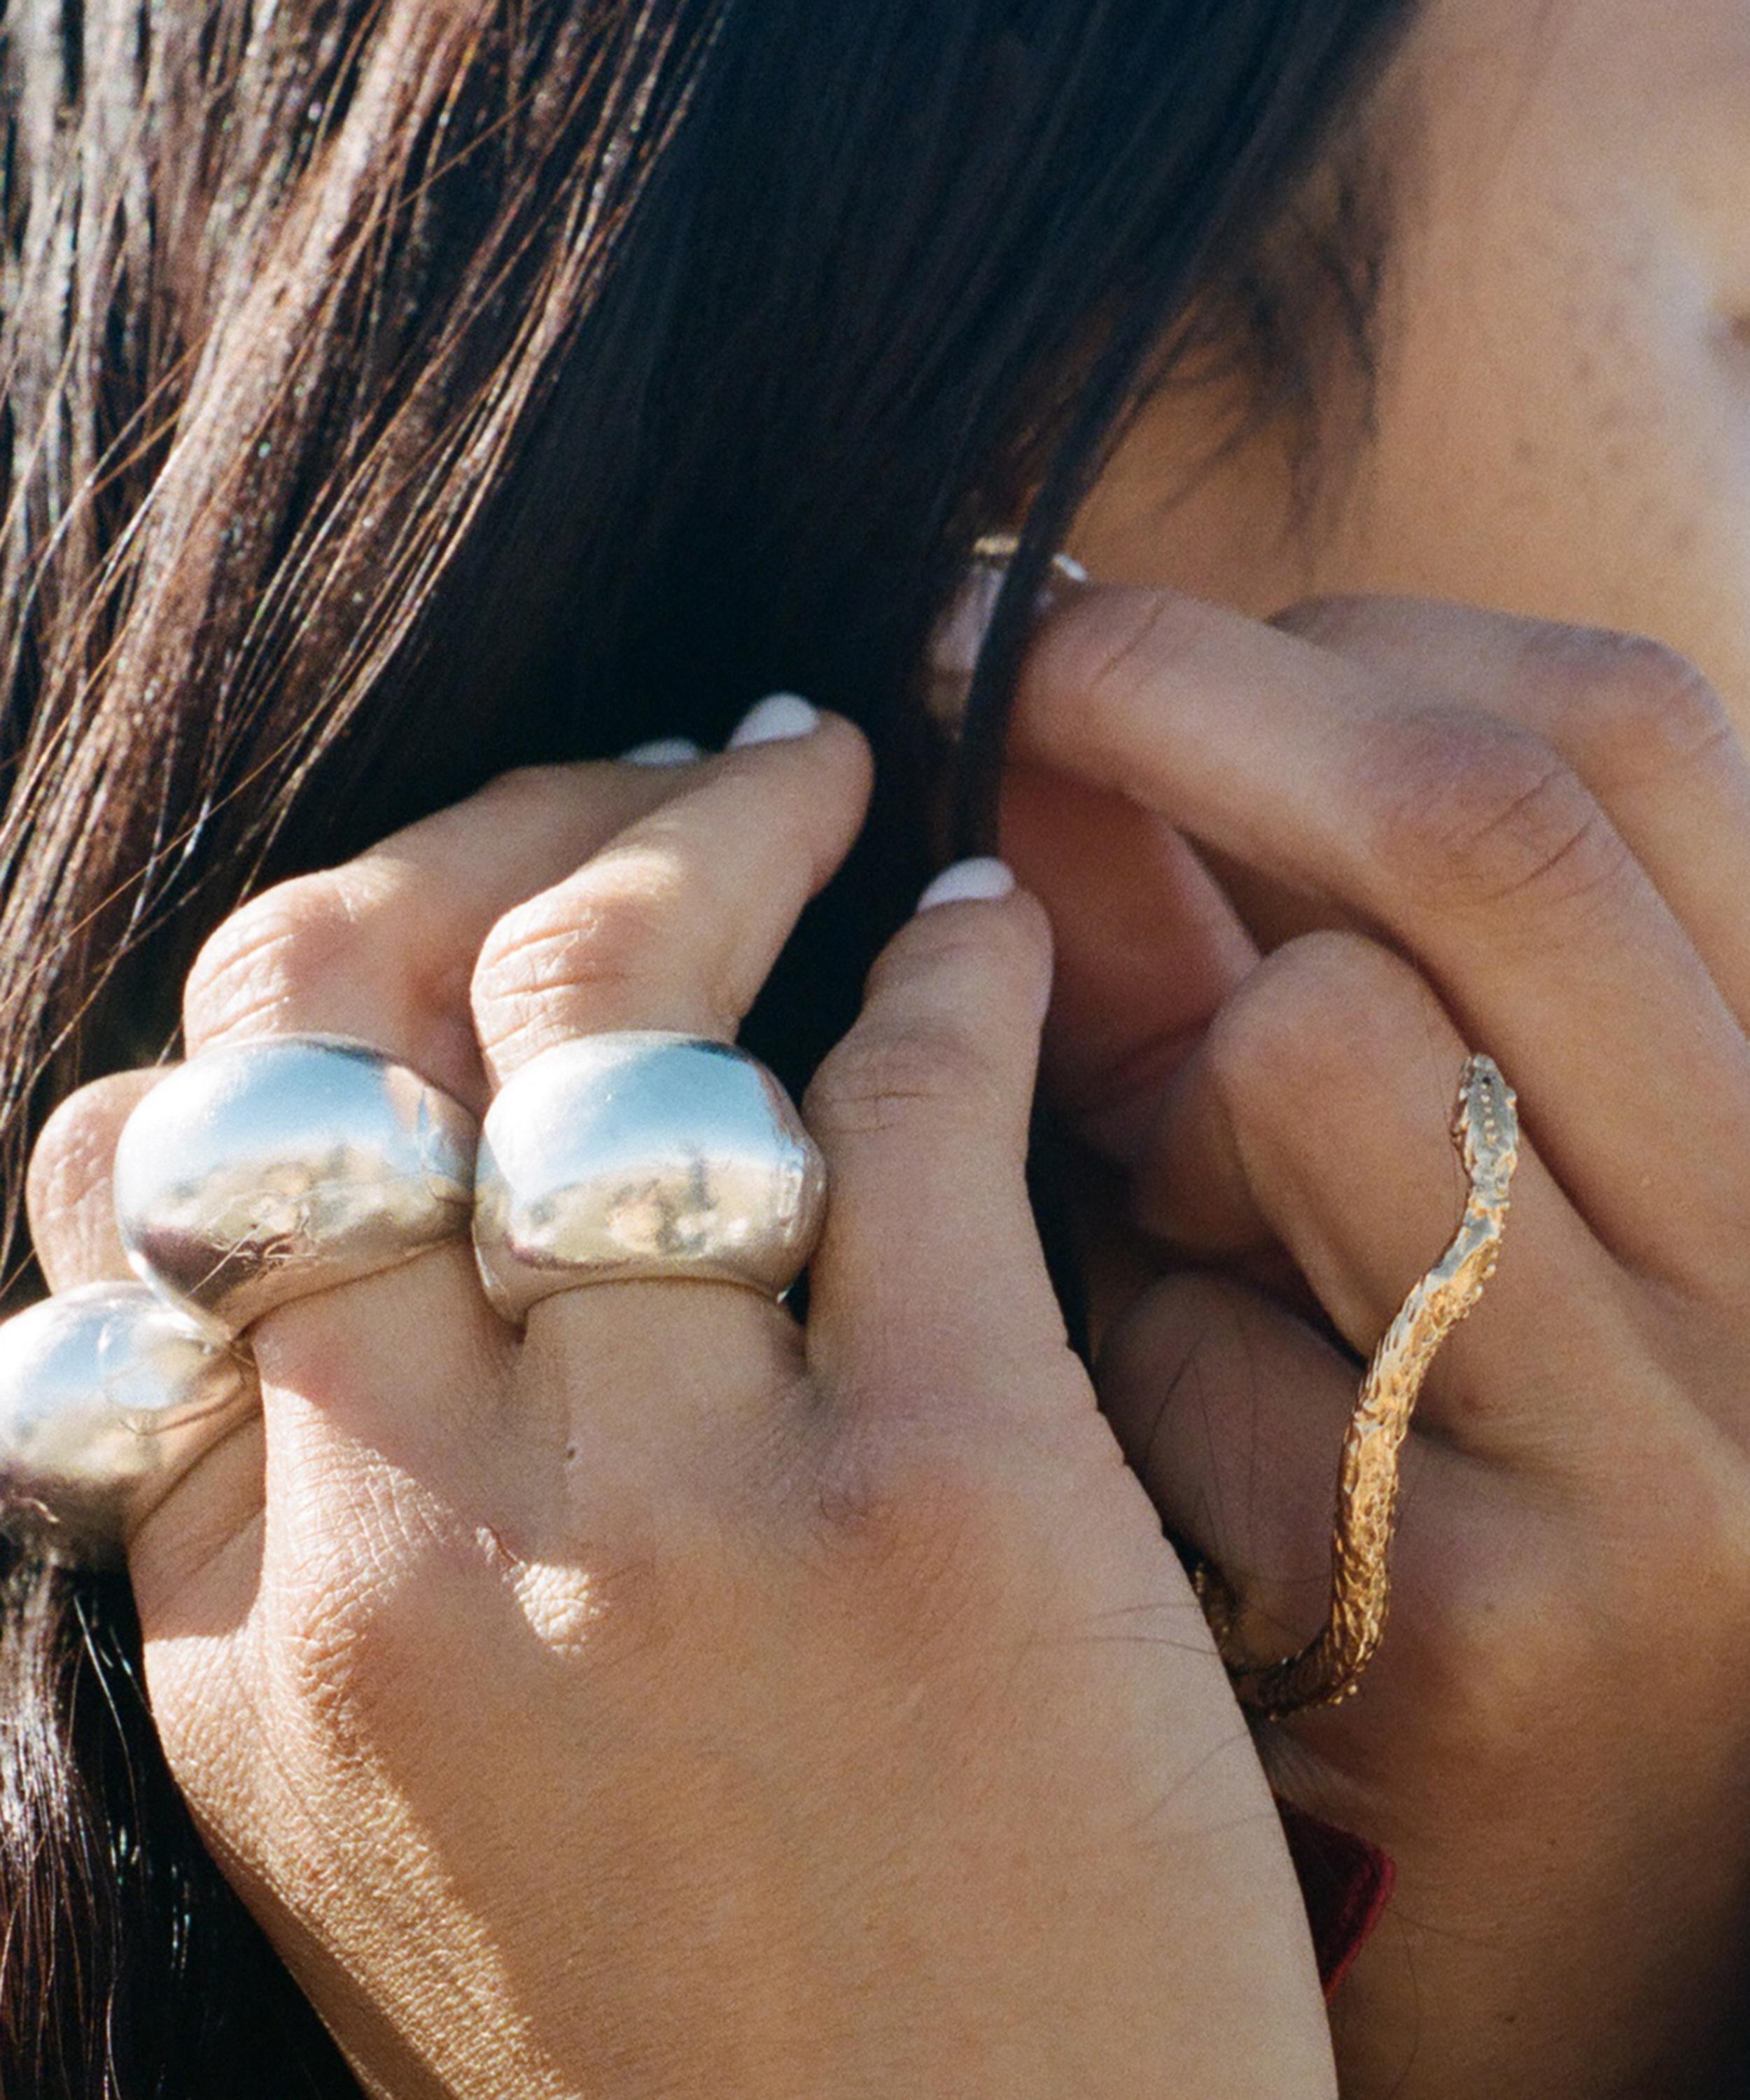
(1233, 1414)
(382, 947)
(383, 943)
(1317, 1114)
(1469, 841)
(1638, 724)
(676, 923)
(1147, 948)
(929, 1295)
(67, 1192)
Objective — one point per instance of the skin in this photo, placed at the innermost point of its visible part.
(1555, 1745)
(1433, 826)
(670, 1699)
(1565, 341)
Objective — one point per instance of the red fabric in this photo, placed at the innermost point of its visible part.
(1346, 1883)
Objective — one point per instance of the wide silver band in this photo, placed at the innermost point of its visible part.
(108, 1397)
(621, 1156)
(260, 1172)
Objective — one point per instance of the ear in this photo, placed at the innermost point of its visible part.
(1147, 947)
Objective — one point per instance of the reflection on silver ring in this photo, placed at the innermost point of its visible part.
(262, 1171)
(107, 1397)
(642, 1154)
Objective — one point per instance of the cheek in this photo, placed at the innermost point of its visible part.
(1563, 431)
(1565, 416)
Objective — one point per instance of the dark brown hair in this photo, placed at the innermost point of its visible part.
(395, 390)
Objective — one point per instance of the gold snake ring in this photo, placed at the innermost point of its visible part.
(1486, 1131)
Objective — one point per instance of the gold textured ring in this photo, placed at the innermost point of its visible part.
(1486, 1131)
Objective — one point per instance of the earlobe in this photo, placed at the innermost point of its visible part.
(959, 640)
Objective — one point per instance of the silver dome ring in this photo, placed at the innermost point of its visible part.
(643, 1154)
(260, 1172)
(108, 1397)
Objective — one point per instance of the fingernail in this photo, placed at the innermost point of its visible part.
(967, 882)
(959, 640)
(776, 719)
(663, 751)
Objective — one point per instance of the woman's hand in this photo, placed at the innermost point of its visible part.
(1535, 843)
(673, 1701)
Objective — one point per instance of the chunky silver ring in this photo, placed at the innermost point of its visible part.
(108, 1397)
(262, 1171)
(622, 1156)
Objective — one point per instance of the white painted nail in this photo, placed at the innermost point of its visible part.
(981, 881)
(776, 719)
(663, 751)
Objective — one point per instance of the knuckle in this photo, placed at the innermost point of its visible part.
(68, 1191)
(246, 967)
(879, 1080)
(1490, 1653)
(950, 1543)
(1635, 707)
(275, 948)
(534, 789)
(1296, 1023)
(603, 942)
(928, 1538)
(352, 1648)
(1500, 1652)
(369, 1614)
(1500, 1649)
(75, 1149)
(1473, 814)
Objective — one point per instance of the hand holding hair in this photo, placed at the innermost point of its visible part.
(1438, 828)
(666, 1695)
